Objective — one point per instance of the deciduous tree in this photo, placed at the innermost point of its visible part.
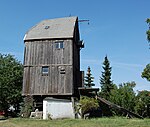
(146, 72)
(148, 31)
(124, 95)
(143, 103)
(11, 75)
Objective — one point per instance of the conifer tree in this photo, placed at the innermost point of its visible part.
(89, 78)
(105, 79)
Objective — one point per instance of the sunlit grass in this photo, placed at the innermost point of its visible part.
(100, 122)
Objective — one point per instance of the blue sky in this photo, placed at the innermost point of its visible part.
(117, 29)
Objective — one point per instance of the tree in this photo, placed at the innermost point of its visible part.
(105, 79)
(124, 95)
(143, 103)
(148, 31)
(146, 72)
(89, 78)
(11, 75)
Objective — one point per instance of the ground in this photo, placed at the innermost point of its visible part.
(100, 122)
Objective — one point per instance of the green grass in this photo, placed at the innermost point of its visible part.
(2, 117)
(100, 122)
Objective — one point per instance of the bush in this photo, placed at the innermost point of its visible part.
(27, 106)
(88, 104)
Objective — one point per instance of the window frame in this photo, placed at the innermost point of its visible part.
(45, 70)
(59, 44)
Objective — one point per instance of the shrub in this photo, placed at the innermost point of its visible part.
(27, 106)
(88, 104)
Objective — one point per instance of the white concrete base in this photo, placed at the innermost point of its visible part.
(57, 108)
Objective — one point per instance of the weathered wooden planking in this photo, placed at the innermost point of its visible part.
(26, 80)
(59, 83)
(46, 53)
(69, 79)
(43, 53)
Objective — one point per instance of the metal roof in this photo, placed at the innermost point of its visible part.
(52, 28)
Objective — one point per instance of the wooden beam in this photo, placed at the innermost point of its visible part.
(40, 65)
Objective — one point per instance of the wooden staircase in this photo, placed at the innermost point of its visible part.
(111, 105)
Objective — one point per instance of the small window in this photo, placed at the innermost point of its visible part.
(62, 71)
(59, 45)
(46, 27)
(45, 70)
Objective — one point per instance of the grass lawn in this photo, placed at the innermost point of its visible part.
(100, 122)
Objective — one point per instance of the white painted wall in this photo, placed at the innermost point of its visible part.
(45, 109)
(57, 108)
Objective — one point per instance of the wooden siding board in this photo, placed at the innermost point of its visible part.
(40, 85)
(51, 53)
(53, 77)
(28, 53)
(47, 54)
(37, 54)
(30, 79)
(47, 83)
(38, 79)
(66, 55)
(62, 56)
(76, 66)
(50, 80)
(56, 79)
(43, 53)
(61, 82)
(40, 51)
(26, 81)
(35, 79)
(32, 76)
(33, 54)
(24, 55)
(67, 52)
(69, 80)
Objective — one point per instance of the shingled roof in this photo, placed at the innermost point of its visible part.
(52, 28)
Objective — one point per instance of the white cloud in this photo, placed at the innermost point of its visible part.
(112, 64)
(126, 65)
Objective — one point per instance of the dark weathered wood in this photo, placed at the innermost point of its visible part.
(38, 55)
(45, 53)
(42, 52)
(111, 105)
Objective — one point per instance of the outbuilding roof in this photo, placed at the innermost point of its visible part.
(52, 28)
